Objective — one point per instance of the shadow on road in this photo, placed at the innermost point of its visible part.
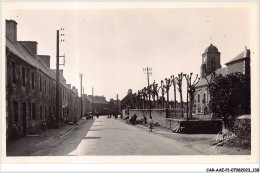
(120, 129)
(69, 143)
(92, 137)
(93, 130)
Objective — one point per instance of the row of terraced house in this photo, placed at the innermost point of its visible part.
(31, 87)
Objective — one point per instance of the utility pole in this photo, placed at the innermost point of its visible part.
(83, 101)
(81, 110)
(117, 104)
(58, 76)
(57, 80)
(92, 100)
(148, 72)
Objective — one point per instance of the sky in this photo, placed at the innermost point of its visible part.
(112, 46)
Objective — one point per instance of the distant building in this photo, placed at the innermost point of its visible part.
(96, 104)
(129, 101)
(114, 106)
(210, 64)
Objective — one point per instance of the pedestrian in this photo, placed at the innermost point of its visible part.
(145, 119)
(150, 124)
(135, 118)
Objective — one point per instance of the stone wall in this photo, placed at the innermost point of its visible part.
(158, 115)
(172, 123)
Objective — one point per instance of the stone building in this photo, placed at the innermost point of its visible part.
(96, 104)
(114, 106)
(129, 100)
(31, 86)
(210, 64)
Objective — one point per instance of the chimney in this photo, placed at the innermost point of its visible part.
(31, 46)
(45, 59)
(61, 73)
(11, 30)
(246, 53)
(129, 91)
(69, 85)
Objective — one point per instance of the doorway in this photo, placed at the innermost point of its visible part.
(24, 118)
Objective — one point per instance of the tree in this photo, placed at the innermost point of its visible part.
(167, 88)
(174, 90)
(191, 91)
(179, 84)
(163, 92)
(229, 97)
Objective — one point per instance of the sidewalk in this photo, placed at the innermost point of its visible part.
(199, 142)
(26, 146)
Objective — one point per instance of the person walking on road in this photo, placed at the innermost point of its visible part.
(150, 124)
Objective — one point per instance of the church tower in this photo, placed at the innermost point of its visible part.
(210, 61)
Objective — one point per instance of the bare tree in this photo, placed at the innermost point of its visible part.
(173, 80)
(163, 92)
(191, 91)
(167, 88)
(179, 84)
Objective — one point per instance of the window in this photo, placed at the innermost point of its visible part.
(198, 98)
(33, 111)
(13, 72)
(50, 110)
(45, 86)
(41, 112)
(204, 97)
(45, 111)
(16, 111)
(49, 88)
(23, 76)
(40, 84)
(32, 81)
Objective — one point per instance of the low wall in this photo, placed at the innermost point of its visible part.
(202, 126)
(158, 115)
(172, 123)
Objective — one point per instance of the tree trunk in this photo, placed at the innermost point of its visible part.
(175, 105)
(162, 101)
(181, 98)
(153, 101)
(190, 107)
(167, 105)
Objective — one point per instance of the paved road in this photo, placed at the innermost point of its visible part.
(105, 136)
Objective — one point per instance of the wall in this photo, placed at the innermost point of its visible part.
(26, 95)
(236, 67)
(158, 115)
(200, 106)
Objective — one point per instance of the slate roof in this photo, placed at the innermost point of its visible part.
(115, 102)
(211, 49)
(238, 57)
(20, 51)
(96, 99)
(204, 82)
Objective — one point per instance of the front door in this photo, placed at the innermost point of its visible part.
(24, 118)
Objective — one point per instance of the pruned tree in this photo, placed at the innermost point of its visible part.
(191, 92)
(167, 88)
(179, 84)
(173, 80)
(163, 92)
(155, 91)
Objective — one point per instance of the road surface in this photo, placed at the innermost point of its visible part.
(105, 136)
